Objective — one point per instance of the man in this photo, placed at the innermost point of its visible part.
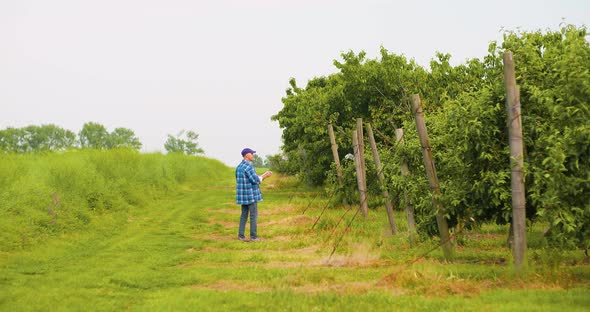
(248, 193)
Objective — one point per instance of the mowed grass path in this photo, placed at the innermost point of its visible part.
(182, 254)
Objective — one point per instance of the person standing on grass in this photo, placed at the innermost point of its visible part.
(248, 193)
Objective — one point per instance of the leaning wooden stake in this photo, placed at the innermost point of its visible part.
(335, 153)
(443, 227)
(361, 140)
(516, 161)
(359, 174)
(381, 176)
(361, 137)
(399, 135)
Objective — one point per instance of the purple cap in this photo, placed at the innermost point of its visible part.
(247, 150)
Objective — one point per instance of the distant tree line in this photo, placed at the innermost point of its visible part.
(44, 138)
(36, 138)
(32, 139)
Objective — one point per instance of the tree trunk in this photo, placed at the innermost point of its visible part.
(381, 176)
(510, 240)
(443, 227)
(516, 161)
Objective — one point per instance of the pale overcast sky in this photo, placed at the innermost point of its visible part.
(221, 67)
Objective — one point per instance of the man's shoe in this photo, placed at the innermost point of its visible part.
(243, 239)
(257, 239)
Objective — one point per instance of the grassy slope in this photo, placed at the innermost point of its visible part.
(179, 253)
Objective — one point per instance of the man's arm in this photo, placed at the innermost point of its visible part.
(251, 174)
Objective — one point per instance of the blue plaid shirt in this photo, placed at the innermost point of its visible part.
(247, 189)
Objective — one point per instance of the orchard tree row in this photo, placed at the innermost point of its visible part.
(44, 138)
(466, 119)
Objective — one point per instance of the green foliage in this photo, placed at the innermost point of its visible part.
(348, 191)
(123, 138)
(46, 138)
(554, 81)
(280, 163)
(260, 162)
(465, 114)
(304, 121)
(185, 142)
(94, 135)
(36, 139)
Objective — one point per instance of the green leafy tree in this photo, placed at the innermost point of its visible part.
(260, 162)
(280, 163)
(185, 142)
(32, 139)
(58, 138)
(48, 138)
(466, 120)
(554, 81)
(11, 140)
(470, 144)
(304, 119)
(123, 137)
(93, 135)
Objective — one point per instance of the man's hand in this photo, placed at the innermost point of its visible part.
(267, 174)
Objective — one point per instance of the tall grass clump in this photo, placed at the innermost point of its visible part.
(42, 195)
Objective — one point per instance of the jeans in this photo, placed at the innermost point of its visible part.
(253, 210)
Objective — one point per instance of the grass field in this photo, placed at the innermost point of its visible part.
(180, 252)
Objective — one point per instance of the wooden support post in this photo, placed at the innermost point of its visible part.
(381, 176)
(359, 174)
(361, 137)
(335, 153)
(399, 135)
(516, 161)
(443, 227)
(361, 140)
